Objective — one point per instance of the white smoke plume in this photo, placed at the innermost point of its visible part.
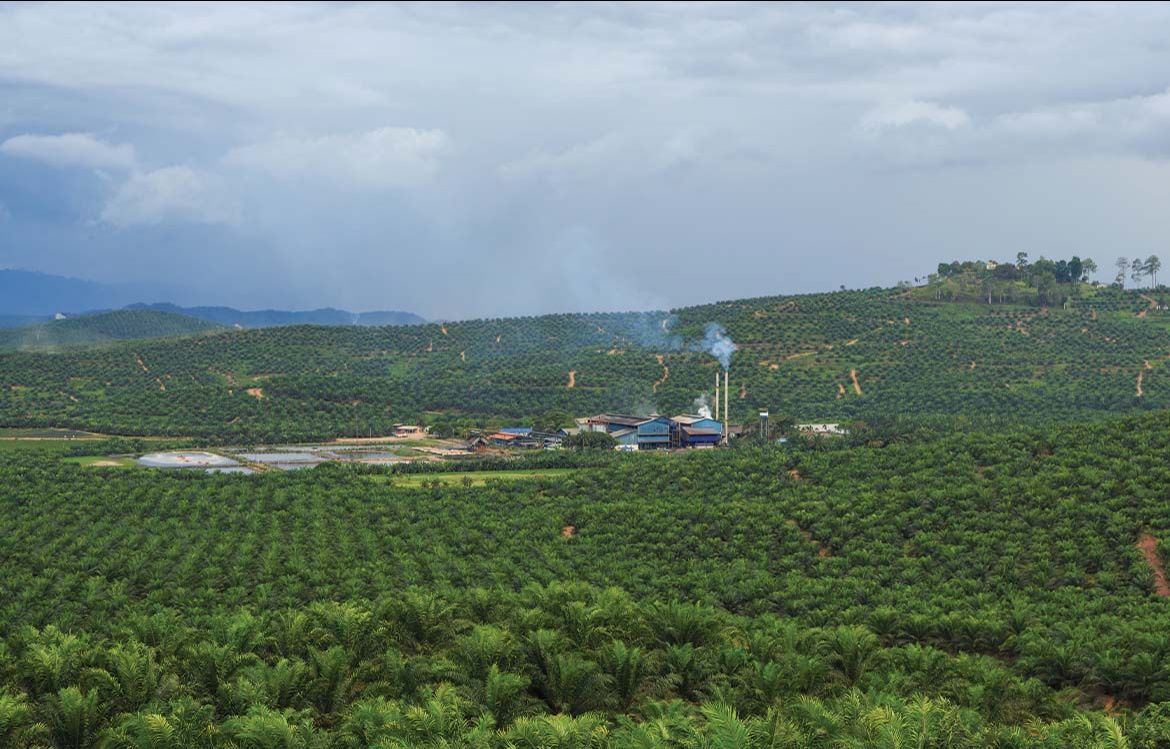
(702, 408)
(717, 343)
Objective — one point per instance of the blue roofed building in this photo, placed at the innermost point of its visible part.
(655, 433)
(698, 431)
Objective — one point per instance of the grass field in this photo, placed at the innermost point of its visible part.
(477, 478)
(10, 433)
(101, 461)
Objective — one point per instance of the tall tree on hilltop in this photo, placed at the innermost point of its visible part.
(1137, 270)
(1152, 266)
(1122, 266)
(1088, 268)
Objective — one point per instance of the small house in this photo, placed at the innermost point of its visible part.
(822, 429)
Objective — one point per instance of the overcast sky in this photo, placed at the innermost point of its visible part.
(495, 160)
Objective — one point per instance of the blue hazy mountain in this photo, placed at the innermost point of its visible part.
(271, 318)
(26, 293)
(30, 298)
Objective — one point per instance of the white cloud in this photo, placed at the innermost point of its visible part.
(880, 36)
(912, 112)
(577, 159)
(385, 157)
(174, 193)
(72, 150)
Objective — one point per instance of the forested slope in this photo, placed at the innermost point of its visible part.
(820, 357)
(976, 590)
(102, 327)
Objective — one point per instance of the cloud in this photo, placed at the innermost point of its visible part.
(174, 193)
(385, 157)
(577, 159)
(72, 150)
(905, 113)
(700, 148)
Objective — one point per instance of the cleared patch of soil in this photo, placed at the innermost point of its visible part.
(572, 378)
(856, 384)
(105, 464)
(1148, 546)
(1141, 374)
(443, 329)
(141, 363)
(257, 393)
(462, 356)
(840, 391)
(568, 531)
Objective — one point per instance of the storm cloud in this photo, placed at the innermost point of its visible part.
(487, 159)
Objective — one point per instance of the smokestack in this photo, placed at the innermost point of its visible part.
(717, 395)
(726, 426)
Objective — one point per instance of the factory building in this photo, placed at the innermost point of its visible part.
(697, 431)
(655, 432)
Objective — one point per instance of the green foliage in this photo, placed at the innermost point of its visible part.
(103, 327)
(914, 354)
(957, 590)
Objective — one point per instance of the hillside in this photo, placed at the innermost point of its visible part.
(269, 318)
(821, 357)
(104, 327)
(976, 590)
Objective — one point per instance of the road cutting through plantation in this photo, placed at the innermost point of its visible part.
(665, 372)
(1148, 546)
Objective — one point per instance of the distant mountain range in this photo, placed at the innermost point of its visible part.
(272, 318)
(30, 298)
(29, 293)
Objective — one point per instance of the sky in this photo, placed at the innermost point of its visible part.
(492, 160)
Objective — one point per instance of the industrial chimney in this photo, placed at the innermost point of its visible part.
(764, 424)
(727, 396)
(716, 411)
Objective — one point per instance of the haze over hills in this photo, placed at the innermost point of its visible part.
(102, 327)
(270, 318)
(30, 293)
(28, 297)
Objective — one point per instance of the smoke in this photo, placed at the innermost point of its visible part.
(717, 343)
(701, 406)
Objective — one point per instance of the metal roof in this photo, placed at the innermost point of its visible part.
(515, 430)
(629, 421)
(687, 419)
